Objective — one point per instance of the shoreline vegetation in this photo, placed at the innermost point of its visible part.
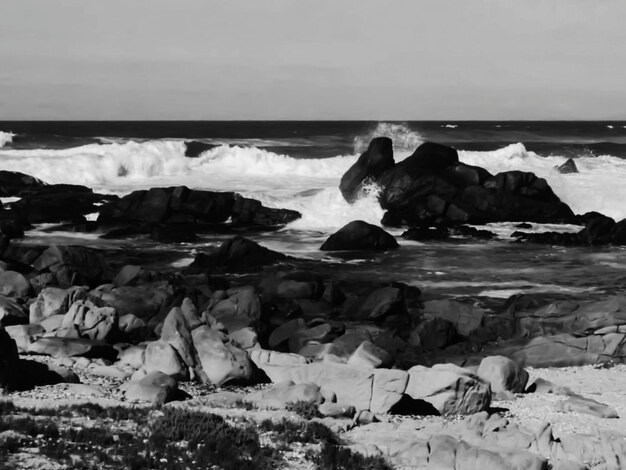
(249, 358)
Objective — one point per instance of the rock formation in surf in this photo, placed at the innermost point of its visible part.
(431, 187)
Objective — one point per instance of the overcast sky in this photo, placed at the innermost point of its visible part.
(312, 59)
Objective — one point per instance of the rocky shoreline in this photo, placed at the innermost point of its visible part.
(414, 381)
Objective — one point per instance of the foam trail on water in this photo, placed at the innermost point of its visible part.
(5, 138)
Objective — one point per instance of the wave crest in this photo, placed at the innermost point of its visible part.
(5, 138)
(404, 138)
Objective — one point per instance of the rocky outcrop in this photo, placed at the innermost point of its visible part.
(433, 187)
(359, 235)
(569, 166)
(195, 148)
(181, 205)
(368, 168)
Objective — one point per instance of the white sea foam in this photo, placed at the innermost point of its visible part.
(405, 139)
(307, 185)
(5, 138)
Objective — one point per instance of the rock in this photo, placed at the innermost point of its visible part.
(426, 233)
(145, 301)
(74, 265)
(69, 347)
(352, 387)
(236, 254)
(99, 323)
(380, 303)
(14, 183)
(177, 333)
(54, 301)
(284, 393)
(132, 356)
(162, 357)
(371, 164)
(133, 328)
(318, 334)
(265, 358)
(551, 351)
(241, 309)
(24, 335)
(388, 388)
(155, 388)
(359, 235)
(449, 389)
(245, 337)
(128, 275)
(545, 386)
(194, 148)
(434, 333)
(11, 313)
(220, 359)
(466, 318)
(9, 360)
(369, 356)
(58, 203)
(569, 166)
(285, 331)
(13, 284)
(504, 375)
(432, 187)
(183, 205)
(578, 404)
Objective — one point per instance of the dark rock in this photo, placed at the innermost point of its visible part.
(426, 233)
(359, 235)
(618, 233)
(371, 164)
(237, 254)
(58, 203)
(434, 333)
(597, 231)
(524, 225)
(181, 205)
(13, 183)
(568, 167)
(145, 301)
(74, 265)
(8, 361)
(194, 148)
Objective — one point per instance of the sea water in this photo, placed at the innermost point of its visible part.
(298, 165)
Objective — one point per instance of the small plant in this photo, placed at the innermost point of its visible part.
(304, 409)
(335, 457)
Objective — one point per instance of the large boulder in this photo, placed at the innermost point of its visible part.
(160, 356)
(74, 265)
(145, 301)
(434, 333)
(155, 388)
(371, 164)
(241, 308)
(14, 183)
(220, 360)
(14, 284)
(450, 389)
(54, 301)
(176, 331)
(181, 205)
(431, 186)
(11, 313)
(359, 235)
(89, 321)
(504, 375)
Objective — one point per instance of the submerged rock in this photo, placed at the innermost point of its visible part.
(568, 167)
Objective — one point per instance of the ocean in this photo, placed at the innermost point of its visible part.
(298, 165)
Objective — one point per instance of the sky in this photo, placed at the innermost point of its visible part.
(312, 59)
